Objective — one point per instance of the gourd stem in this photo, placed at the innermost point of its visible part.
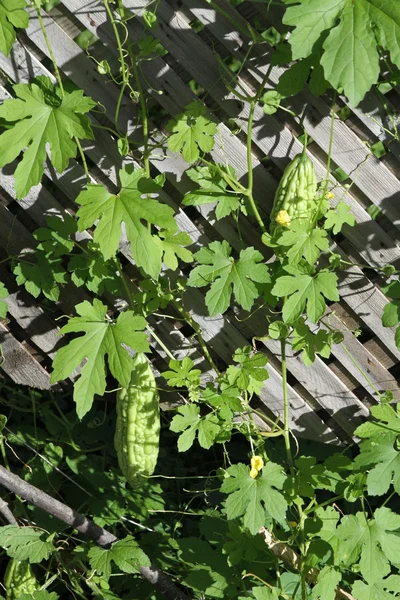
(161, 343)
(286, 432)
(250, 196)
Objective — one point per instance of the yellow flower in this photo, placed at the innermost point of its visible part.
(283, 218)
(256, 464)
(329, 195)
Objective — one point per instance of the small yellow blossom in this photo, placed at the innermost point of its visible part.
(329, 195)
(283, 218)
(256, 464)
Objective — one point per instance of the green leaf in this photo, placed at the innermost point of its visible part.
(41, 116)
(130, 206)
(251, 374)
(40, 272)
(25, 543)
(182, 373)
(255, 499)
(311, 343)
(173, 247)
(271, 101)
(39, 595)
(387, 420)
(3, 305)
(352, 31)
(12, 15)
(227, 274)
(303, 243)
(192, 131)
(90, 269)
(311, 477)
(308, 291)
(325, 520)
(375, 540)
(102, 337)
(380, 451)
(293, 80)
(328, 580)
(57, 238)
(391, 314)
(126, 554)
(189, 421)
(213, 188)
(228, 397)
(209, 572)
(379, 590)
(336, 218)
(350, 59)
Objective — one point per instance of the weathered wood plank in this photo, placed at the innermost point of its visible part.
(19, 364)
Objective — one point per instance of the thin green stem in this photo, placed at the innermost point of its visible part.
(329, 502)
(83, 158)
(161, 343)
(189, 319)
(361, 370)
(118, 107)
(331, 131)
(286, 431)
(365, 266)
(250, 196)
(124, 283)
(250, 32)
(50, 50)
(145, 121)
(3, 453)
(249, 192)
(124, 71)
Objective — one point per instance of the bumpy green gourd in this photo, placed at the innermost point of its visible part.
(137, 431)
(19, 579)
(296, 193)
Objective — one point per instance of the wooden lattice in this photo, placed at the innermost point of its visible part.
(327, 399)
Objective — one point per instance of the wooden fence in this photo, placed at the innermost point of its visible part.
(329, 398)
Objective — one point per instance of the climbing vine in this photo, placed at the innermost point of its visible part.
(237, 507)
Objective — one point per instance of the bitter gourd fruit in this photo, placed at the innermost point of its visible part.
(19, 579)
(295, 197)
(137, 432)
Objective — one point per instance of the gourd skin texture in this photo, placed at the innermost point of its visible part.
(296, 193)
(19, 579)
(137, 432)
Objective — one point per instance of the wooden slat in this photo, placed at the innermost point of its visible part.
(270, 136)
(19, 364)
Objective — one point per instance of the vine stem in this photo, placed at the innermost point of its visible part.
(250, 196)
(188, 317)
(145, 121)
(50, 50)
(125, 77)
(250, 180)
(286, 431)
(161, 343)
(60, 84)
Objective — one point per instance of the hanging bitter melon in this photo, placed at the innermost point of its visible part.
(295, 197)
(137, 431)
(19, 579)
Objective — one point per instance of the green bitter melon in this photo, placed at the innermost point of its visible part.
(19, 579)
(137, 430)
(296, 193)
